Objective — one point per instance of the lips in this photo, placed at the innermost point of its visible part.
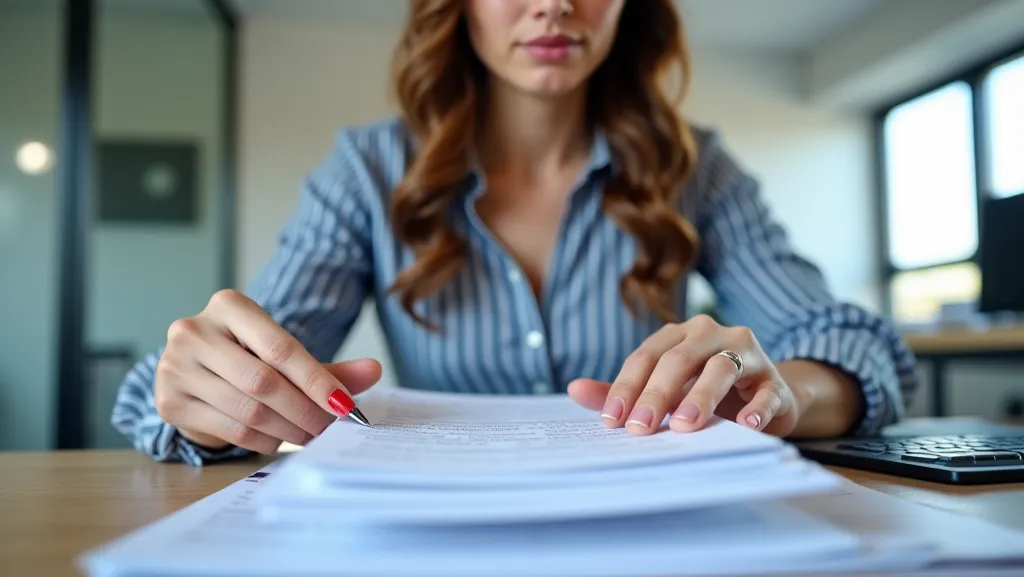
(556, 41)
(551, 49)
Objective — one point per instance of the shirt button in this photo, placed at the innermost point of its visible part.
(514, 276)
(534, 339)
(541, 388)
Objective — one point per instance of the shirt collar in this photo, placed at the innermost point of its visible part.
(600, 159)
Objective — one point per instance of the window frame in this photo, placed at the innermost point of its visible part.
(974, 76)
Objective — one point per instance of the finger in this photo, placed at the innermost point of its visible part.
(678, 366)
(259, 381)
(719, 375)
(358, 375)
(199, 416)
(247, 410)
(589, 393)
(257, 331)
(635, 372)
(768, 401)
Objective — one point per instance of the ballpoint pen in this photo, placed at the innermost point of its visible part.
(345, 406)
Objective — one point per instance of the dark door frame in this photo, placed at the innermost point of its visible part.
(75, 188)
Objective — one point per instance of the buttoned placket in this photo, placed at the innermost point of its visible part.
(536, 348)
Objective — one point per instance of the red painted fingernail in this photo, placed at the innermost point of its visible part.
(613, 409)
(341, 403)
(754, 420)
(687, 412)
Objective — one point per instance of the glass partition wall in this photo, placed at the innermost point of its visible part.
(116, 199)
(32, 47)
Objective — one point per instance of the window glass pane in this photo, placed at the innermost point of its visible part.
(1004, 89)
(918, 296)
(31, 71)
(930, 178)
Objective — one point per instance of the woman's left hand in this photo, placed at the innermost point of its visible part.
(682, 369)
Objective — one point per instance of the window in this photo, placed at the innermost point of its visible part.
(1004, 91)
(930, 178)
(917, 296)
(938, 166)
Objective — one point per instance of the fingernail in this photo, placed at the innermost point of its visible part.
(613, 409)
(341, 403)
(687, 412)
(642, 415)
(754, 420)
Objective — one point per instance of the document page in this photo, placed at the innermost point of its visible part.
(290, 499)
(222, 535)
(446, 433)
(879, 517)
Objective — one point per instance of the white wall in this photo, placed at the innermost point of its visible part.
(301, 81)
(814, 165)
(299, 84)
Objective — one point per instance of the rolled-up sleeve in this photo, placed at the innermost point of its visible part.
(314, 286)
(761, 282)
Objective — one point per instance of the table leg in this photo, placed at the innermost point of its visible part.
(938, 387)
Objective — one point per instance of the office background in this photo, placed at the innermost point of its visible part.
(226, 120)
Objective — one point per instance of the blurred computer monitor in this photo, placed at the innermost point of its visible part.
(1001, 255)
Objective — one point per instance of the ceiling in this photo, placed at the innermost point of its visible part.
(777, 25)
(791, 26)
(178, 9)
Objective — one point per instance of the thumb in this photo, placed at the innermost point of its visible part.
(589, 393)
(358, 375)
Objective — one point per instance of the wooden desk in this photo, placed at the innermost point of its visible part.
(965, 341)
(942, 346)
(56, 505)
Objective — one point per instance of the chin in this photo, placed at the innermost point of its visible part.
(551, 85)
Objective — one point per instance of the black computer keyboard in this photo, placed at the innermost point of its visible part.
(962, 450)
(958, 459)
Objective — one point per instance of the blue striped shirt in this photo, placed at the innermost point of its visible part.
(338, 249)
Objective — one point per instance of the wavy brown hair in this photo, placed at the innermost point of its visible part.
(439, 83)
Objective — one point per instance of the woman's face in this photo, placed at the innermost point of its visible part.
(543, 47)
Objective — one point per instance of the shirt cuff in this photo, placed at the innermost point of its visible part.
(868, 349)
(169, 445)
(135, 416)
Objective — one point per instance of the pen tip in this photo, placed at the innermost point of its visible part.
(359, 417)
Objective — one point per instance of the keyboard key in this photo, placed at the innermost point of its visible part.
(957, 459)
(920, 457)
(1002, 457)
(950, 451)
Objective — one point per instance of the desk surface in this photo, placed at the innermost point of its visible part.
(56, 505)
(950, 340)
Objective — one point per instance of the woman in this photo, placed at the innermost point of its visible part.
(525, 227)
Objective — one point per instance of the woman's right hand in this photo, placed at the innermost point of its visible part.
(232, 376)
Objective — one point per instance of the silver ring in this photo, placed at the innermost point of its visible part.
(736, 360)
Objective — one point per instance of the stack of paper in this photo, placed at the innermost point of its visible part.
(453, 486)
(448, 458)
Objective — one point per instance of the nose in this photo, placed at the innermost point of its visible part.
(552, 9)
